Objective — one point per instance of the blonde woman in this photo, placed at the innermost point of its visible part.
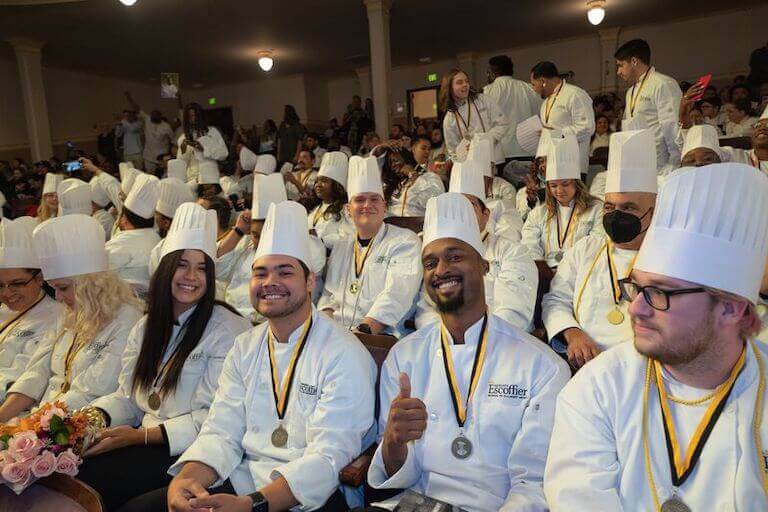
(81, 357)
(49, 202)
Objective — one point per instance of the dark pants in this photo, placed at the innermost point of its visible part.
(121, 474)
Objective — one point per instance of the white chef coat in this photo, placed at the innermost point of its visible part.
(596, 458)
(411, 200)
(131, 133)
(327, 228)
(330, 408)
(744, 156)
(128, 253)
(558, 307)
(157, 138)
(111, 186)
(599, 141)
(571, 111)
(20, 338)
(494, 123)
(518, 101)
(743, 128)
(509, 418)
(540, 234)
(229, 186)
(233, 272)
(154, 257)
(521, 203)
(762, 312)
(308, 178)
(657, 106)
(182, 412)
(510, 285)
(318, 152)
(94, 368)
(388, 284)
(106, 220)
(504, 220)
(214, 148)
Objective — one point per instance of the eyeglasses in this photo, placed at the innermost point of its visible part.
(655, 297)
(14, 287)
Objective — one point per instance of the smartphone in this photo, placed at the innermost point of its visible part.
(704, 82)
(237, 204)
(72, 166)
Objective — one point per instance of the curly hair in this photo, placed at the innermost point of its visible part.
(582, 200)
(44, 212)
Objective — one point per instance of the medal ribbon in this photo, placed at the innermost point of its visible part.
(316, 217)
(634, 97)
(561, 241)
(69, 360)
(458, 117)
(360, 264)
(614, 273)
(16, 318)
(461, 406)
(281, 395)
(551, 104)
(164, 367)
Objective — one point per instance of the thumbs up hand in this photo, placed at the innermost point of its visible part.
(407, 421)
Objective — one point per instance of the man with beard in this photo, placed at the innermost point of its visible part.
(758, 155)
(676, 421)
(295, 396)
(583, 311)
(466, 403)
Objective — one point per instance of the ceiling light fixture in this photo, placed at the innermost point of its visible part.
(265, 60)
(595, 11)
(127, 3)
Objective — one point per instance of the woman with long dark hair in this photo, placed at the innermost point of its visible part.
(289, 135)
(407, 185)
(329, 219)
(200, 141)
(268, 138)
(170, 368)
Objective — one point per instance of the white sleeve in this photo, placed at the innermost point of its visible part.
(34, 381)
(557, 306)
(583, 116)
(531, 234)
(18, 353)
(450, 135)
(227, 264)
(214, 147)
(497, 118)
(183, 155)
(514, 292)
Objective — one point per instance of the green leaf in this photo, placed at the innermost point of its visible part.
(4, 439)
(56, 423)
(61, 438)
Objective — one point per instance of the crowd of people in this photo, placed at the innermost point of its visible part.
(571, 291)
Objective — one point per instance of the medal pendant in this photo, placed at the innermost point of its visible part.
(154, 401)
(64, 387)
(279, 437)
(354, 288)
(674, 504)
(461, 448)
(615, 316)
(559, 256)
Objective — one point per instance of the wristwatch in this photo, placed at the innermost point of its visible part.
(239, 232)
(364, 328)
(260, 503)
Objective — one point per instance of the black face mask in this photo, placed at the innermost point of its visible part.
(623, 227)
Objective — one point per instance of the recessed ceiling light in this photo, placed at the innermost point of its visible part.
(596, 11)
(127, 3)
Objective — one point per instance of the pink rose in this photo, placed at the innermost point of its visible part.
(67, 463)
(44, 464)
(5, 459)
(18, 474)
(24, 446)
(45, 419)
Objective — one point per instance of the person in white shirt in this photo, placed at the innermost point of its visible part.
(129, 249)
(409, 184)
(512, 278)
(295, 398)
(652, 102)
(566, 107)
(583, 312)
(437, 150)
(200, 142)
(131, 129)
(516, 99)
(158, 135)
(467, 403)
(602, 136)
(301, 179)
(170, 367)
(757, 157)
(311, 144)
(676, 420)
(49, 202)
(105, 191)
(79, 357)
(373, 276)
(740, 121)
(468, 113)
(330, 219)
(27, 313)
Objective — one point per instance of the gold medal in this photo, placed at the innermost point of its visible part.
(354, 288)
(674, 504)
(279, 437)
(615, 316)
(154, 401)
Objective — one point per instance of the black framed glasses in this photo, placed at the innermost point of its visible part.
(18, 285)
(656, 297)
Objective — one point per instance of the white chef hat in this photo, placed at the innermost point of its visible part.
(70, 246)
(711, 228)
(702, 136)
(127, 178)
(632, 162)
(51, 184)
(481, 151)
(177, 168)
(364, 177)
(545, 141)
(334, 166)
(230, 186)
(467, 178)
(209, 172)
(99, 194)
(74, 197)
(450, 215)
(266, 191)
(285, 232)
(16, 249)
(172, 193)
(193, 227)
(142, 198)
(266, 164)
(248, 159)
(123, 168)
(563, 159)
(108, 185)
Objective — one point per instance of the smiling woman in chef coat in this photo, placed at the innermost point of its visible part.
(49, 203)
(170, 369)
(329, 219)
(80, 357)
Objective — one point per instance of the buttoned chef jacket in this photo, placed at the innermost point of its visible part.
(214, 148)
(457, 135)
(518, 101)
(571, 111)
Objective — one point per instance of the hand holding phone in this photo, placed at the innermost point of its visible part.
(72, 166)
(701, 85)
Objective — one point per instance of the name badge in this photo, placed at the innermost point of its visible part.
(307, 389)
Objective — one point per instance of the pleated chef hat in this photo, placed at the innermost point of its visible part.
(70, 246)
(563, 160)
(364, 177)
(702, 136)
(193, 227)
(177, 168)
(209, 172)
(467, 178)
(16, 248)
(172, 193)
(105, 189)
(632, 162)
(142, 198)
(51, 184)
(266, 164)
(450, 215)
(285, 232)
(481, 151)
(248, 159)
(128, 177)
(334, 166)
(266, 190)
(74, 197)
(99, 194)
(545, 141)
(710, 227)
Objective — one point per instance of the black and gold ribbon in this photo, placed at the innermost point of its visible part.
(551, 105)
(18, 317)
(561, 240)
(281, 394)
(634, 97)
(614, 273)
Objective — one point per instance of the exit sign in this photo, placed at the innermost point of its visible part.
(432, 77)
(211, 101)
